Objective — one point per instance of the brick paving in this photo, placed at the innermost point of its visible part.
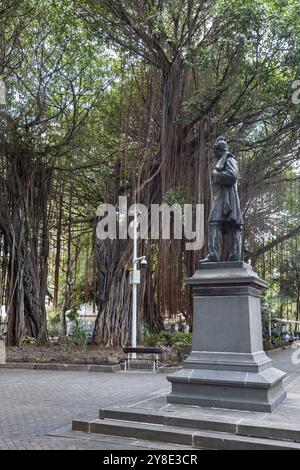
(34, 404)
(79, 443)
(37, 407)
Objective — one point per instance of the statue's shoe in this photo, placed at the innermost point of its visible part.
(209, 259)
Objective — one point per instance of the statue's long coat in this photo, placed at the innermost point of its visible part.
(226, 203)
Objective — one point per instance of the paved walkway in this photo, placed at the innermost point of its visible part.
(37, 407)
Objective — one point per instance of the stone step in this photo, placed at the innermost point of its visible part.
(180, 436)
(241, 427)
(152, 417)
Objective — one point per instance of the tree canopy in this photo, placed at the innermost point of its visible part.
(127, 98)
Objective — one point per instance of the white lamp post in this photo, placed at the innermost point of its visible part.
(270, 328)
(135, 279)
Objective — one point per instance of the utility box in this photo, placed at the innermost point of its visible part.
(135, 277)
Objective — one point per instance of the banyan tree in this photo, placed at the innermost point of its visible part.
(194, 70)
(126, 98)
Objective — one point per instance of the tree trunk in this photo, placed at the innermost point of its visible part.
(112, 327)
(58, 247)
(68, 280)
(26, 235)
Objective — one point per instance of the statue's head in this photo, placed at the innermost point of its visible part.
(220, 147)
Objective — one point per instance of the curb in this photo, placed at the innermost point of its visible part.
(81, 367)
(282, 348)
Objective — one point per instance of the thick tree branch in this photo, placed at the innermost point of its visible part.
(272, 244)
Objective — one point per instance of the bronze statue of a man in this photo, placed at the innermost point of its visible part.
(225, 216)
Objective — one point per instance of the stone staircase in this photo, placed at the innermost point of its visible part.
(198, 433)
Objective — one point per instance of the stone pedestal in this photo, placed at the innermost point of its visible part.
(2, 351)
(227, 367)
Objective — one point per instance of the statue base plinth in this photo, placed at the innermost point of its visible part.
(227, 367)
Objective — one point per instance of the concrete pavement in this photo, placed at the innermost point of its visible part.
(37, 407)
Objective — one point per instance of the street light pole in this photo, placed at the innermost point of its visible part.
(134, 284)
(135, 279)
(270, 328)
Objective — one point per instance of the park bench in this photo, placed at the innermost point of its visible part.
(154, 351)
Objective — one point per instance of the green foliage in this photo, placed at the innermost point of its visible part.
(76, 90)
(283, 296)
(268, 314)
(77, 332)
(169, 341)
(144, 332)
(290, 276)
(276, 342)
(30, 340)
(178, 195)
(53, 319)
